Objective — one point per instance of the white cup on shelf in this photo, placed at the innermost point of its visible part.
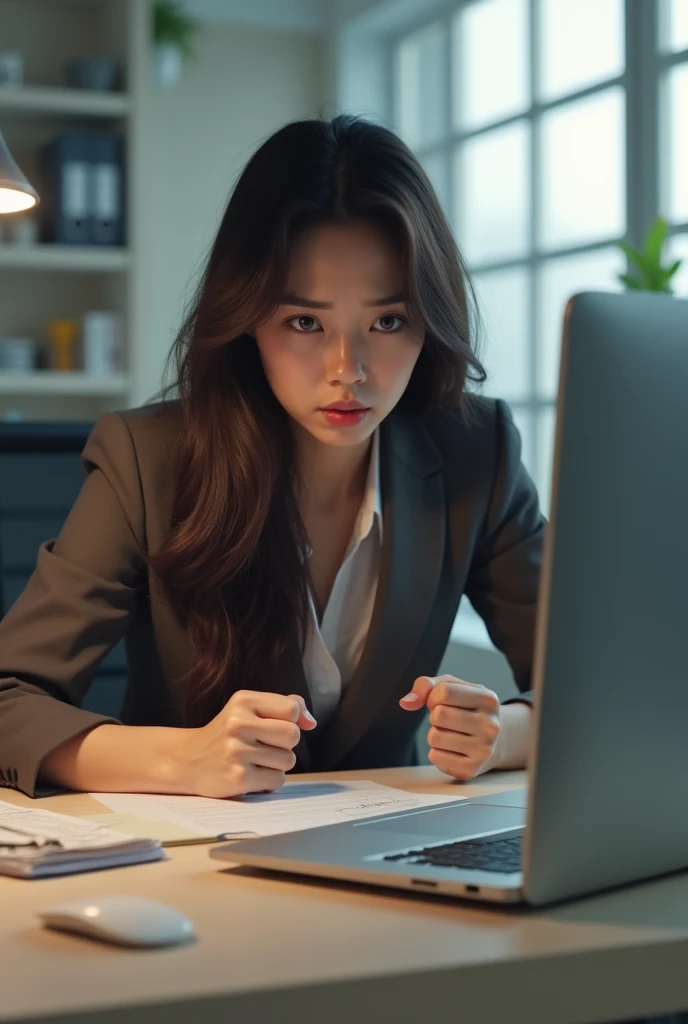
(18, 355)
(102, 342)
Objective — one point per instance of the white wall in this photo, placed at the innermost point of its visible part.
(247, 82)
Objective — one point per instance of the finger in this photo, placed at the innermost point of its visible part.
(458, 743)
(416, 698)
(458, 693)
(470, 723)
(270, 705)
(305, 720)
(272, 731)
(457, 765)
(262, 780)
(264, 756)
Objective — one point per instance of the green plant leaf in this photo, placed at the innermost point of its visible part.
(172, 26)
(655, 241)
(634, 255)
(631, 281)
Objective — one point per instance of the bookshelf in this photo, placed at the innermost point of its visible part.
(41, 281)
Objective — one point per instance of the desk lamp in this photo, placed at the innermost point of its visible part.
(16, 193)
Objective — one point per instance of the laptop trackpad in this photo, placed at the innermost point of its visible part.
(452, 822)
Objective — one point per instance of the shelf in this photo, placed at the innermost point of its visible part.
(50, 100)
(44, 256)
(59, 382)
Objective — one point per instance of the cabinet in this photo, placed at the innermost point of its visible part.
(40, 477)
(41, 281)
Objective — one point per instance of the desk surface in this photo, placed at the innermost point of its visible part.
(274, 948)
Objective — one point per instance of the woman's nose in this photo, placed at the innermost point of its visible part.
(346, 360)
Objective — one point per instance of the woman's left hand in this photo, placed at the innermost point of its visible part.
(464, 723)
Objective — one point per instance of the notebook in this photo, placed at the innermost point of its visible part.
(36, 843)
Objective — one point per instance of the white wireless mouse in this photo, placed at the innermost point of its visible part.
(124, 920)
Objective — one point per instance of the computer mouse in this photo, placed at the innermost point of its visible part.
(123, 920)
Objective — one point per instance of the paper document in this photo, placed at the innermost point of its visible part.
(34, 843)
(297, 805)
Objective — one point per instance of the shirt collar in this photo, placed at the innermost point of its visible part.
(370, 511)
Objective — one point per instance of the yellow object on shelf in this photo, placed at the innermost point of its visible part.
(62, 335)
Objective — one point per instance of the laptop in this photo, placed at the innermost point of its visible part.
(608, 766)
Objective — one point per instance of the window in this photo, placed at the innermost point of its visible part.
(551, 129)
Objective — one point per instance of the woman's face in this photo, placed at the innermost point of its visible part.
(341, 333)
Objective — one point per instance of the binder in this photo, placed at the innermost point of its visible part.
(83, 189)
(106, 159)
(65, 206)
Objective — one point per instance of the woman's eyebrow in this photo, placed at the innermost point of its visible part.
(291, 299)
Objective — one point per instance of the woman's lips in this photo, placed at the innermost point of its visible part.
(344, 418)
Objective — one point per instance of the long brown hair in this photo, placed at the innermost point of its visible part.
(232, 562)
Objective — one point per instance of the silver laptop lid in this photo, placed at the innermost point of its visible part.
(609, 785)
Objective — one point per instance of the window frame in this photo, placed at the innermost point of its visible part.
(643, 80)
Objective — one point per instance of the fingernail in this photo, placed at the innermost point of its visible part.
(412, 698)
(308, 715)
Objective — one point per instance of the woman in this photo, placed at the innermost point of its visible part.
(285, 565)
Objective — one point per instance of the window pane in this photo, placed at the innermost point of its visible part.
(421, 88)
(558, 280)
(491, 185)
(676, 20)
(503, 301)
(677, 125)
(437, 169)
(545, 450)
(490, 47)
(677, 249)
(583, 171)
(581, 44)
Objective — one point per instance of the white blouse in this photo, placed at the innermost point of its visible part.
(335, 645)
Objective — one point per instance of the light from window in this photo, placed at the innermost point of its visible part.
(583, 171)
(558, 280)
(504, 305)
(546, 419)
(677, 248)
(491, 57)
(581, 44)
(492, 198)
(677, 124)
(421, 78)
(676, 17)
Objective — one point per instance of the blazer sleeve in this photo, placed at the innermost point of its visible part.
(504, 575)
(75, 607)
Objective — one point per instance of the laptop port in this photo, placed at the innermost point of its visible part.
(424, 881)
(472, 888)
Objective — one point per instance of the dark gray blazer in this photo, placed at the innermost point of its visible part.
(460, 515)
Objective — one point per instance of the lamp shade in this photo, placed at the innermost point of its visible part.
(15, 191)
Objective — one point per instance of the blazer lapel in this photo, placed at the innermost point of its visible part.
(413, 511)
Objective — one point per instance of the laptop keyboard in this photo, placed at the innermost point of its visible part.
(489, 853)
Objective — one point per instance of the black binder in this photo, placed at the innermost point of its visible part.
(65, 206)
(83, 189)
(107, 189)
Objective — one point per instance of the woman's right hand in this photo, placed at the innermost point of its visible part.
(246, 748)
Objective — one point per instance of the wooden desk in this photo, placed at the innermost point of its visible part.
(275, 949)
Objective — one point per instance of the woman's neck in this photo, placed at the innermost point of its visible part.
(330, 477)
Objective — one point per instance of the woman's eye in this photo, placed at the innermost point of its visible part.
(393, 316)
(301, 329)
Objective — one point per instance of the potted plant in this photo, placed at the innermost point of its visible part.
(173, 32)
(653, 276)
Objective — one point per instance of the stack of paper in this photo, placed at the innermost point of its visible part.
(38, 843)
